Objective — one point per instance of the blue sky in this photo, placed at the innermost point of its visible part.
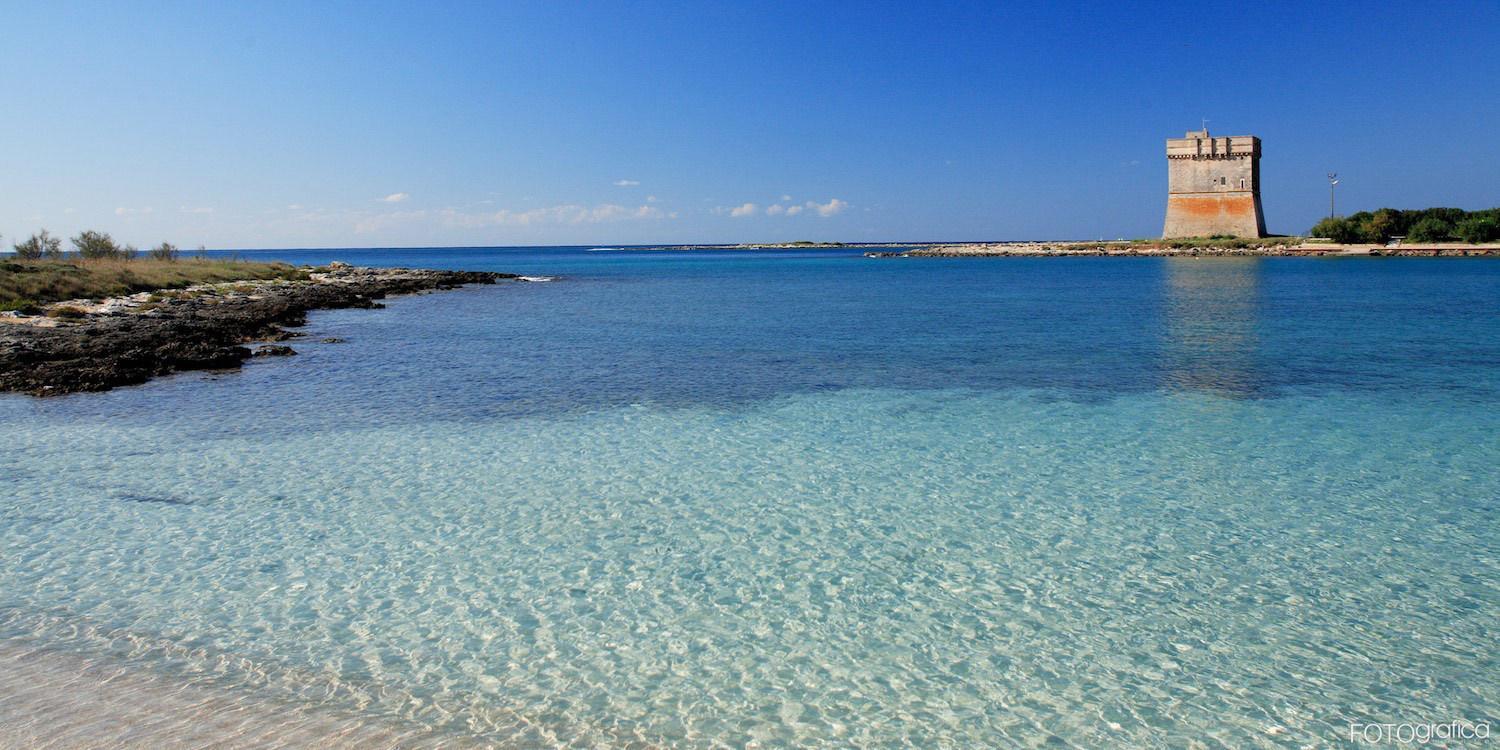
(370, 124)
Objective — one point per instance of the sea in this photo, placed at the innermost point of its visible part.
(798, 498)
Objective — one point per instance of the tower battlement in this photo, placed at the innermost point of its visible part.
(1213, 186)
(1198, 144)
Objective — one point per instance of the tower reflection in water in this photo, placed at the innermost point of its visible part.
(1211, 314)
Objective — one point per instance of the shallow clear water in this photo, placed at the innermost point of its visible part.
(807, 498)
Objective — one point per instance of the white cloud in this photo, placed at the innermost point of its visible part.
(294, 207)
(564, 214)
(650, 199)
(786, 198)
(376, 221)
(395, 198)
(627, 183)
(196, 210)
(833, 206)
(123, 211)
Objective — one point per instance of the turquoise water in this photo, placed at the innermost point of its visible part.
(808, 498)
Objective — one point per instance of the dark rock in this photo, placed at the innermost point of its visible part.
(274, 350)
(204, 333)
(332, 340)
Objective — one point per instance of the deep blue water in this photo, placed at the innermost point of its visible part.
(805, 497)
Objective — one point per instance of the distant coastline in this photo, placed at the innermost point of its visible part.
(1198, 246)
(1267, 247)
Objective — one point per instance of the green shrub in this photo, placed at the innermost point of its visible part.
(1382, 226)
(1478, 229)
(1430, 229)
(93, 245)
(1422, 225)
(66, 311)
(28, 306)
(40, 245)
(1339, 230)
(165, 251)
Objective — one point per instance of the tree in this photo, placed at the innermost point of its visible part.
(93, 245)
(1382, 225)
(165, 251)
(38, 246)
(1338, 230)
(1477, 229)
(53, 248)
(1430, 229)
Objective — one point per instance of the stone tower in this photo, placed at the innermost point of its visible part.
(1213, 186)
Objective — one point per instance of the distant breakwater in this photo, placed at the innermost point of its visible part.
(86, 346)
(1177, 249)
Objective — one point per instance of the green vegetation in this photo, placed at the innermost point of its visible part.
(1479, 228)
(1425, 225)
(92, 245)
(41, 245)
(66, 311)
(40, 272)
(27, 284)
(165, 251)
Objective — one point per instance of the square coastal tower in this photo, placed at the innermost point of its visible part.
(1213, 186)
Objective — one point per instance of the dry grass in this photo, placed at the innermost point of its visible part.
(26, 284)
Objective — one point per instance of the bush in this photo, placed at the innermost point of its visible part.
(20, 305)
(1430, 229)
(1382, 226)
(93, 245)
(1478, 229)
(40, 245)
(27, 250)
(66, 311)
(165, 251)
(1423, 225)
(1338, 230)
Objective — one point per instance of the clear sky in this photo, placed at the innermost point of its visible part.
(371, 124)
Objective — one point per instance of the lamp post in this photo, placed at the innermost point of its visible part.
(1333, 179)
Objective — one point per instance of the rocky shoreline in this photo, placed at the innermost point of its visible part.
(1167, 249)
(83, 345)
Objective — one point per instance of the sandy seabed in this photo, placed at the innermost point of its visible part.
(54, 699)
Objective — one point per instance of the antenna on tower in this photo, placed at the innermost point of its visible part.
(1205, 124)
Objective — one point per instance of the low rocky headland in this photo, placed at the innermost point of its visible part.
(91, 345)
